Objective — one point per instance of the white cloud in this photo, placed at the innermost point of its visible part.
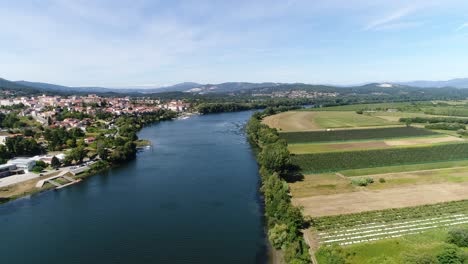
(389, 19)
(463, 26)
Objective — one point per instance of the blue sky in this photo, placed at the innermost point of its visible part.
(153, 43)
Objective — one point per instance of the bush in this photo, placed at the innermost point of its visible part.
(278, 235)
(382, 180)
(330, 255)
(450, 254)
(362, 181)
(41, 163)
(458, 236)
(419, 259)
(37, 169)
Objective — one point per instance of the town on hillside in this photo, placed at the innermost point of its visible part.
(49, 141)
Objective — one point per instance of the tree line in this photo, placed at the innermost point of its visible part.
(284, 221)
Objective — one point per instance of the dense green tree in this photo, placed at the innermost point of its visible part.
(55, 162)
(275, 157)
(20, 146)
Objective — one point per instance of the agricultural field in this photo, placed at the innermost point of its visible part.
(312, 120)
(292, 121)
(384, 189)
(336, 183)
(355, 134)
(371, 144)
(405, 168)
(336, 161)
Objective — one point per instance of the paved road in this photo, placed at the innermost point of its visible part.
(17, 179)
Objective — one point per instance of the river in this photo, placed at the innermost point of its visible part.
(193, 198)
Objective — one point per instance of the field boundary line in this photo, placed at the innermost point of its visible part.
(403, 172)
(341, 176)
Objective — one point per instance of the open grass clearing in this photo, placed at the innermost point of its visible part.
(370, 200)
(371, 144)
(404, 168)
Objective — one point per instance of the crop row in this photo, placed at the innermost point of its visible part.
(355, 134)
(338, 222)
(391, 231)
(335, 161)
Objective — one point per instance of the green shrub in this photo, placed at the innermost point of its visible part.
(362, 181)
(419, 259)
(382, 180)
(458, 236)
(278, 235)
(450, 254)
(330, 255)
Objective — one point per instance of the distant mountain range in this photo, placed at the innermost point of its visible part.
(228, 87)
(61, 88)
(456, 83)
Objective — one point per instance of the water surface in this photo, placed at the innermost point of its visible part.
(192, 199)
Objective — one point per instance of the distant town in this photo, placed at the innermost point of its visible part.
(48, 141)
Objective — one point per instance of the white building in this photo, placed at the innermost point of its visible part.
(6, 170)
(25, 164)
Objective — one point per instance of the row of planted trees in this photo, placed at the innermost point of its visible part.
(284, 221)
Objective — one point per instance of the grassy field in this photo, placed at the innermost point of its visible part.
(330, 183)
(310, 120)
(403, 106)
(292, 121)
(348, 120)
(371, 144)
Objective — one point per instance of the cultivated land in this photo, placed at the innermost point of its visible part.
(356, 167)
(308, 120)
(371, 144)
(370, 200)
(356, 134)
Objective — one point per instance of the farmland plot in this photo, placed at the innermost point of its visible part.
(378, 225)
(355, 134)
(336, 161)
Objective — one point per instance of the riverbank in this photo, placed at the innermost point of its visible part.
(285, 222)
